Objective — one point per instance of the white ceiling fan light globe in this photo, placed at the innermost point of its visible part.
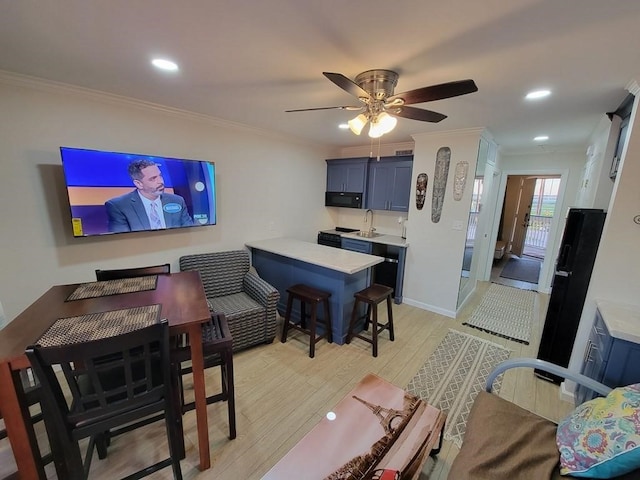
(357, 124)
(375, 130)
(387, 122)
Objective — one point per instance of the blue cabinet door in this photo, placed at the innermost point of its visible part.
(390, 184)
(609, 360)
(378, 191)
(347, 174)
(401, 188)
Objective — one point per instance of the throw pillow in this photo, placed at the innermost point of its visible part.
(601, 437)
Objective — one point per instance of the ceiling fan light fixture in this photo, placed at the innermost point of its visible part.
(383, 123)
(357, 124)
(375, 130)
(387, 122)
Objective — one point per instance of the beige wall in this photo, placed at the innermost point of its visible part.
(267, 186)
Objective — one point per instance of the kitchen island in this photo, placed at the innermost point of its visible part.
(283, 262)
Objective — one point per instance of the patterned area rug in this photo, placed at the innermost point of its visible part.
(453, 376)
(506, 312)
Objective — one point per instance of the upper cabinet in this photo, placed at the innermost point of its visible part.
(390, 183)
(347, 174)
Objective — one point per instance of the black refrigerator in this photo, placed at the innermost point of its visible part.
(573, 268)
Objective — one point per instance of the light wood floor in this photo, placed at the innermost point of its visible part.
(281, 394)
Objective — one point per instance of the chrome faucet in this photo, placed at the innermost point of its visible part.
(366, 214)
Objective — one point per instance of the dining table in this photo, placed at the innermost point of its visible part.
(182, 302)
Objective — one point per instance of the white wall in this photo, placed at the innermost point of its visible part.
(615, 272)
(596, 187)
(434, 256)
(267, 186)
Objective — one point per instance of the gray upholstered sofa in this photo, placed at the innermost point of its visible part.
(233, 288)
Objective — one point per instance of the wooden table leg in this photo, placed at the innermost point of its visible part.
(197, 362)
(20, 432)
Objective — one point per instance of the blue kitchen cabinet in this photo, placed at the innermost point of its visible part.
(360, 246)
(390, 184)
(347, 174)
(609, 360)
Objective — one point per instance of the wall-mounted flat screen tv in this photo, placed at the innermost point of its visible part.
(113, 192)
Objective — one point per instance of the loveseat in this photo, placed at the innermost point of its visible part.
(505, 441)
(234, 289)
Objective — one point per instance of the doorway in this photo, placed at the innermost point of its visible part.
(524, 229)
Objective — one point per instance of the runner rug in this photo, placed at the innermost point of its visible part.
(506, 312)
(453, 376)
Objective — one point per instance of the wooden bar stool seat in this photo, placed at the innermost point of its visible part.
(372, 296)
(313, 297)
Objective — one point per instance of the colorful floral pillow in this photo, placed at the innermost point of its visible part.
(601, 438)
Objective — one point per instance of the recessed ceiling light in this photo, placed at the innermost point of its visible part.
(343, 126)
(541, 138)
(536, 94)
(164, 64)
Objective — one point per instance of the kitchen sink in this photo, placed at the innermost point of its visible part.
(368, 234)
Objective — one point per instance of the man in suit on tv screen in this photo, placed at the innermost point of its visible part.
(147, 207)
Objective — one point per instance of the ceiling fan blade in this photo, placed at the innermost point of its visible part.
(436, 92)
(347, 85)
(342, 107)
(417, 114)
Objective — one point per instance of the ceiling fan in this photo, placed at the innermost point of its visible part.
(380, 106)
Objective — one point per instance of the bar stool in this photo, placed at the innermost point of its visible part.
(312, 296)
(372, 296)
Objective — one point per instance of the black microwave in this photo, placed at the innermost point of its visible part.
(343, 199)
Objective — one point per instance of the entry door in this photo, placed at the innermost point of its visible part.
(523, 214)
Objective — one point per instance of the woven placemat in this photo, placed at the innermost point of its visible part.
(96, 326)
(113, 287)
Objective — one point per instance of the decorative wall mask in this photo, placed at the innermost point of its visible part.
(460, 179)
(443, 158)
(421, 189)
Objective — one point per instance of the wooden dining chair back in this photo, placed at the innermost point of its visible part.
(116, 274)
(112, 382)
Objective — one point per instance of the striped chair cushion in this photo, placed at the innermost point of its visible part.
(222, 272)
(246, 319)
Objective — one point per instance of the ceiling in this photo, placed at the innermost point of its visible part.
(248, 61)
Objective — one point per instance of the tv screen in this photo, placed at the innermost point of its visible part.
(112, 192)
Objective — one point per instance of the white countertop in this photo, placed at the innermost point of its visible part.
(623, 321)
(382, 238)
(344, 261)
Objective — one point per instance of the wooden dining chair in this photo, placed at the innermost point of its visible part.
(217, 348)
(31, 392)
(113, 382)
(116, 274)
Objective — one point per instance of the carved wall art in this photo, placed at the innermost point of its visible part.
(443, 158)
(460, 179)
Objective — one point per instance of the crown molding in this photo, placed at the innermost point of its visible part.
(59, 88)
